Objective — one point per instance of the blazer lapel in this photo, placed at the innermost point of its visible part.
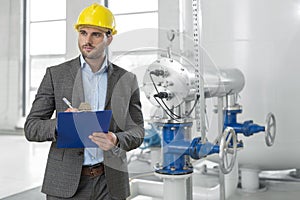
(78, 92)
(112, 78)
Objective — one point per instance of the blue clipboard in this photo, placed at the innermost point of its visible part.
(73, 128)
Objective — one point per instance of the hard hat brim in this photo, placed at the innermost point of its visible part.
(103, 29)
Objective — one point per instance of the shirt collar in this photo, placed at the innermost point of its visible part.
(103, 68)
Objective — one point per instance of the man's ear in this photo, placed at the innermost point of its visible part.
(109, 39)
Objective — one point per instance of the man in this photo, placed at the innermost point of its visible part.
(89, 173)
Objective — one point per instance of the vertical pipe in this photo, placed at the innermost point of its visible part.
(220, 130)
(174, 189)
(222, 185)
(249, 179)
(188, 136)
(189, 188)
(231, 180)
(171, 133)
(231, 100)
(220, 115)
(24, 52)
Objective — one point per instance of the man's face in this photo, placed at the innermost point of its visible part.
(92, 42)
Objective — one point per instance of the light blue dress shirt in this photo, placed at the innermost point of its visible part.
(94, 87)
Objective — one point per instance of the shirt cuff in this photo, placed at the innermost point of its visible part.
(116, 148)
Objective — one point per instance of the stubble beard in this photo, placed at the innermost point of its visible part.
(93, 54)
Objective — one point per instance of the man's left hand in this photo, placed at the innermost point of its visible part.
(105, 141)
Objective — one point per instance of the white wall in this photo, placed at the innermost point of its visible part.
(10, 63)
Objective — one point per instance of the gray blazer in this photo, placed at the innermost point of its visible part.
(63, 168)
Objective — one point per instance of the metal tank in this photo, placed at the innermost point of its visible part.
(262, 39)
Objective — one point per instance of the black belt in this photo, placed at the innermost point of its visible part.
(93, 170)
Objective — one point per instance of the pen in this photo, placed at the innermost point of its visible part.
(67, 102)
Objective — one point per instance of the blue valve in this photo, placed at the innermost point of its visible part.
(247, 128)
(175, 147)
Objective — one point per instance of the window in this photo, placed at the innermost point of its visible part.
(133, 20)
(47, 39)
(133, 6)
(47, 27)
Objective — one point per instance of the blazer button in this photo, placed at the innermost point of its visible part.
(80, 153)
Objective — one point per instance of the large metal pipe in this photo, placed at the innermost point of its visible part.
(178, 81)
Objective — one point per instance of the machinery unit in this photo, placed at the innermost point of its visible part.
(178, 89)
(171, 87)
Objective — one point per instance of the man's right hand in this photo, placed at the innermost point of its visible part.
(71, 110)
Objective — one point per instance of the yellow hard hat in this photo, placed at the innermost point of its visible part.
(97, 15)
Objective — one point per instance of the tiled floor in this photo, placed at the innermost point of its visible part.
(23, 163)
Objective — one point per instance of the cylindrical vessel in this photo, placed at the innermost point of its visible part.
(178, 81)
(261, 38)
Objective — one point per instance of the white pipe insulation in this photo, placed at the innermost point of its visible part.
(205, 187)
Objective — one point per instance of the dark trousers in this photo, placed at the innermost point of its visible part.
(90, 189)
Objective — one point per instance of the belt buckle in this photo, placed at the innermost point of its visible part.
(92, 172)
